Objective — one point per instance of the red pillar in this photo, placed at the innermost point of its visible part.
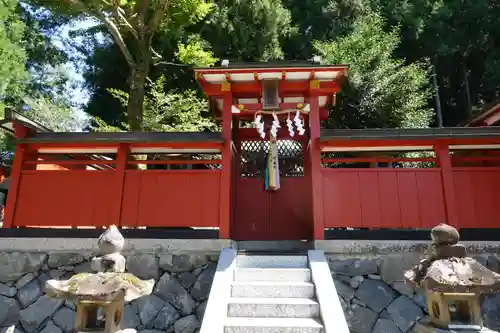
(15, 177)
(121, 166)
(225, 184)
(20, 155)
(236, 166)
(451, 209)
(316, 177)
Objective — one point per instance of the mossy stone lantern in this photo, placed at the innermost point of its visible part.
(453, 284)
(100, 297)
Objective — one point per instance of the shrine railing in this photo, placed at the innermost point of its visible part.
(130, 187)
(410, 189)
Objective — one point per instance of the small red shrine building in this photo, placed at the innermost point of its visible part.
(329, 178)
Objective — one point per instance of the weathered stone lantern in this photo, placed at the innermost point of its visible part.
(100, 297)
(453, 283)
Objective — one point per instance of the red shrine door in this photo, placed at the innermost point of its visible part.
(265, 215)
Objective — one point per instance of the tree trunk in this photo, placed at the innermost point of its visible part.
(436, 96)
(467, 90)
(137, 90)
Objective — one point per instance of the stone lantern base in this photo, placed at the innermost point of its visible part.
(428, 328)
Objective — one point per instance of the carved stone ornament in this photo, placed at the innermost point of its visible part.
(452, 282)
(100, 296)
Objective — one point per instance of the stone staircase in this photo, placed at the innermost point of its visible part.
(273, 294)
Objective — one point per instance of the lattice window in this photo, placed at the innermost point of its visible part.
(254, 154)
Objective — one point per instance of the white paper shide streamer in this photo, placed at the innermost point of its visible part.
(259, 124)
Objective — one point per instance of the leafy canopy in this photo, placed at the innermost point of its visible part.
(167, 111)
(13, 75)
(382, 91)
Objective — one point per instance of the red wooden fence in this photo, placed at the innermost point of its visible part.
(382, 198)
(54, 191)
(412, 197)
(174, 198)
(476, 191)
(64, 198)
(371, 197)
(177, 198)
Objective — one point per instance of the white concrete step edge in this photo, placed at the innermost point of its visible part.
(331, 311)
(273, 322)
(271, 261)
(272, 274)
(279, 289)
(273, 308)
(220, 293)
(265, 300)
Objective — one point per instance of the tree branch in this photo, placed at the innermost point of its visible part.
(120, 18)
(159, 12)
(167, 63)
(140, 8)
(155, 55)
(112, 29)
(118, 38)
(126, 23)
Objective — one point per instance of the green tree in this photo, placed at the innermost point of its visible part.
(381, 91)
(236, 30)
(54, 114)
(168, 111)
(322, 20)
(248, 30)
(44, 60)
(13, 75)
(133, 25)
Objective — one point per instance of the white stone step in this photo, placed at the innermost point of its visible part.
(271, 261)
(273, 307)
(273, 274)
(272, 325)
(272, 289)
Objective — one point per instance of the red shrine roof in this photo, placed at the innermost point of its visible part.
(296, 80)
(489, 117)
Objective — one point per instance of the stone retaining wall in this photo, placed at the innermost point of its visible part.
(375, 298)
(369, 282)
(176, 305)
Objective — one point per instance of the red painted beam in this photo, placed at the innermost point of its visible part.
(342, 69)
(258, 106)
(325, 87)
(20, 131)
(116, 201)
(15, 180)
(407, 142)
(174, 145)
(285, 87)
(249, 115)
(451, 208)
(315, 166)
(225, 184)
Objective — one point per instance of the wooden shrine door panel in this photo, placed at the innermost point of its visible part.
(290, 210)
(251, 217)
(262, 215)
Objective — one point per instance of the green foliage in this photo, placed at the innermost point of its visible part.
(133, 25)
(381, 90)
(195, 53)
(248, 30)
(168, 111)
(54, 114)
(13, 74)
(322, 20)
(389, 45)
